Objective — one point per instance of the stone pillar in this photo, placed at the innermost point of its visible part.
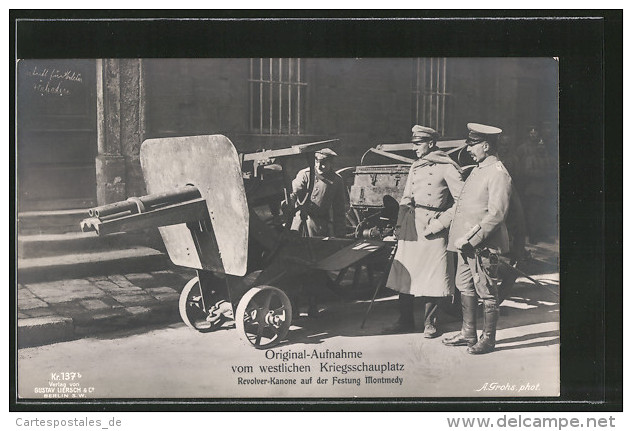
(120, 129)
(132, 123)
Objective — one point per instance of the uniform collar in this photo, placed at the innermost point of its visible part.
(436, 157)
(329, 179)
(489, 160)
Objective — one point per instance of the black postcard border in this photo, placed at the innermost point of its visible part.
(589, 45)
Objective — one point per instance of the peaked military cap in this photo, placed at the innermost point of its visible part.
(422, 133)
(325, 153)
(480, 133)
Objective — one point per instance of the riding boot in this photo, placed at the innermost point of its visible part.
(487, 342)
(467, 336)
(430, 317)
(406, 321)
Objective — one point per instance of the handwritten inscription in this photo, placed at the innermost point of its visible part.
(54, 82)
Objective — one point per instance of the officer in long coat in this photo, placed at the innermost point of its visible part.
(421, 266)
(479, 235)
(323, 213)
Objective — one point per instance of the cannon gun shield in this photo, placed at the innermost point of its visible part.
(211, 164)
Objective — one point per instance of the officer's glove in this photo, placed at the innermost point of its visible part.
(287, 209)
(463, 245)
(434, 227)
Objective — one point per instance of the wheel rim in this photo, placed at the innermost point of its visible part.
(191, 306)
(264, 316)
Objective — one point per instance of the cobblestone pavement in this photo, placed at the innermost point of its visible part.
(61, 310)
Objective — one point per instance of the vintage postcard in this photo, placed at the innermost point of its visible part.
(239, 228)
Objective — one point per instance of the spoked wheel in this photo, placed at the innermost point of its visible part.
(198, 315)
(264, 315)
(352, 220)
(352, 217)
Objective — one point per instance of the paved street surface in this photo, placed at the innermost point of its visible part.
(174, 361)
(61, 310)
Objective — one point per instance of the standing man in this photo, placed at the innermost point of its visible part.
(422, 267)
(479, 235)
(323, 214)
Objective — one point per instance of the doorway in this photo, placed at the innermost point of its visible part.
(56, 134)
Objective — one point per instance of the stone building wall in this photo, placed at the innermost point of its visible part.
(361, 102)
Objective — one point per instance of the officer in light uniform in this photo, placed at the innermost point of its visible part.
(324, 213)
(421, 266)
(479, 235)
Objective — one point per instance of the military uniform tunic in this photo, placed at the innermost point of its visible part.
(422, 267)
(327, 206)
(484, 201)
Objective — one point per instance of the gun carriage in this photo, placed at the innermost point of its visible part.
(247, 263)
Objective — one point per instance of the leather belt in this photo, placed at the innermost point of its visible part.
(429, 208)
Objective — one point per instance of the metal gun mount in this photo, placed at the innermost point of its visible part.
(199, 203)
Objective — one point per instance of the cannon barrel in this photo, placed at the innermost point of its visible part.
(132, 205)
(180, 205)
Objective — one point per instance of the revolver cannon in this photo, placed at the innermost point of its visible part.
(198, 200)
(180, 205)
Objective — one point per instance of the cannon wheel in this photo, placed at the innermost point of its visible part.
(263, 316)
(192, 309)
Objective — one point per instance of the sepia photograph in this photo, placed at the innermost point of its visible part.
(330, 227)
(300, 227)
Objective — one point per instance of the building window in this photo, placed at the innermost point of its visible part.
(431, 97)
(277, 96)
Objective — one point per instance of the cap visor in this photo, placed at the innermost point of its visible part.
(471, 142)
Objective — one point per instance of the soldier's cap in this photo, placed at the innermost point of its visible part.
(325, 153)
(481, 133)
(423, 133)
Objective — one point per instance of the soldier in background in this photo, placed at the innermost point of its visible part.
(508, 155)
(536, 185)
(478, 235)
(320, 213)
(323, 214)
(549, 137)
